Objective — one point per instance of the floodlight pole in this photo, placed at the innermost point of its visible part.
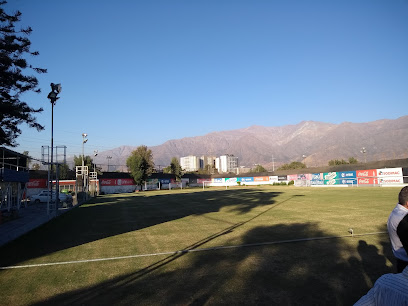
(55, 90)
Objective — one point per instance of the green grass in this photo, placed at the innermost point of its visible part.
(317, 272)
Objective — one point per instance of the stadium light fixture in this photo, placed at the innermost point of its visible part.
(53, 96)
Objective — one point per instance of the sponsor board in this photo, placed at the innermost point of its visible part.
(366, 173)
(347, 174)
(281, 177)
(301, 177)
(202, 180)
(261, 178)
(330, 178)
(245, 179)
(391, 180)
(292, 177)
(389, 172)
(37, 183)
(366, 180)
(275, 179)
(152, 181)
(316, 182)
(348, 181)
(164, 181)
(405, 174)
(231, 180)
(316, 176)
(218, 180)
(116, 182)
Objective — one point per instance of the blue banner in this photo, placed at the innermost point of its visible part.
(347, 174)
(245, 179)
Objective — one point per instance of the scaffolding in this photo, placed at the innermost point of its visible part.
(13, 180)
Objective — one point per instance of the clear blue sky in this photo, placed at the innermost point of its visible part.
(144, 72)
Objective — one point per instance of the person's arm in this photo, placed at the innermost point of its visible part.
(402, 232)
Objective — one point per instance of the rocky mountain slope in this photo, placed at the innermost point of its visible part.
(311, 142)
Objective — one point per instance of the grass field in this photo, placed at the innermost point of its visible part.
(234, 249)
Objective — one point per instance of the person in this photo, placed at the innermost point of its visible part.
(397, 227)
(389, 289)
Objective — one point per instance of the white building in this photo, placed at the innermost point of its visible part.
(227, 163)
(190, 163)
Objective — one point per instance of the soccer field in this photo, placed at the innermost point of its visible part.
(245, 245)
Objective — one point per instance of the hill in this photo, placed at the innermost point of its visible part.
(311, 142)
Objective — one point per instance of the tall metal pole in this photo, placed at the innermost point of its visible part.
(52, 154)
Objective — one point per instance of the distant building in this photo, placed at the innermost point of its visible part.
(190, 163)
(207, 160)
(227, 163)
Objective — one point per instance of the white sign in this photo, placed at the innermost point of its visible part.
(389, 172)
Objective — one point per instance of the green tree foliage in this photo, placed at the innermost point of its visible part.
(336, 162)
(15, 78)
(176, 168)
(167, 169)
(140, 164)
(258, 168)
(87, 161)
(292, 165)
(63, 171)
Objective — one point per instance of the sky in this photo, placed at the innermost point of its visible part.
(144, 72)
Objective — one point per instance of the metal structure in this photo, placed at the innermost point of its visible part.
(13, 179)
(47, 158)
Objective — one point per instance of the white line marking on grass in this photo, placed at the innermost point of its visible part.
(186, 251)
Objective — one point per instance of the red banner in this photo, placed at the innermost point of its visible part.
(366, 173)
(37, 183)
(116, 182)
(366, 181)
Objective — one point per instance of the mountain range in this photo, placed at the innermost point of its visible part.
(311, 142)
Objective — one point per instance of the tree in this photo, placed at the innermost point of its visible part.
(14, 78)
(176, 168)
(87, 161)
(140, 164)
(63, 171)
(352, 160)
(292, 165)
(258, 168)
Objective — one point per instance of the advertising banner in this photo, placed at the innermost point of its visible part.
(317, 182)
(292, 177)
(330, 178)
(275, 179)
(348, 181)
(366, 173)
(389, 172)
(391, 180)
(245, 179)
(366, 181)
(165, 181)
(117, 182)
(218, 180)
(405, 174)
(202, 180)
(281, 178)
(347, 174)
(231, 180)
(37, 183)
(316, 176)
(152, 181)
(261, 178)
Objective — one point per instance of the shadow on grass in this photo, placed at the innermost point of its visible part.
(108, 216)
(298, 273)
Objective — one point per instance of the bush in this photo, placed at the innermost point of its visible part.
(291, 183)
